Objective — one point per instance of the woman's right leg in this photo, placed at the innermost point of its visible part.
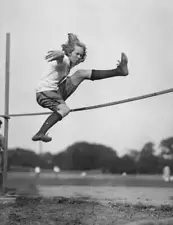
(60, 110)
(50, 121)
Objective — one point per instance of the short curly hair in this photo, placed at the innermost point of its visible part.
(73, 41)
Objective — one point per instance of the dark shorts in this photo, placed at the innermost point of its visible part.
(51, 99)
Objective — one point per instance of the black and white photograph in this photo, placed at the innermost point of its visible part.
(86, 112)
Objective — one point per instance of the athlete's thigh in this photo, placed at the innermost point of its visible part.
(80, 75)
(67, 88)
(72, 82)
(49, 99)
(53, 101)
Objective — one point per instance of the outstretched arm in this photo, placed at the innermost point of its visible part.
(54, 55)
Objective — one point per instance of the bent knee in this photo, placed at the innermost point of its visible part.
(63, 110)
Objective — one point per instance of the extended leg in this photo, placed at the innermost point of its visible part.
(121, 70)
(80, 75)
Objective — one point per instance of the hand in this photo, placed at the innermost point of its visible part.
(54, 55)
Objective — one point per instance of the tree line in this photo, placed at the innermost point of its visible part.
(90, 156)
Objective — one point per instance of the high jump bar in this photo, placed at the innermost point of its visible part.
(7, 116)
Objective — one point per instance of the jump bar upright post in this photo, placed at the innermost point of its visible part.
(6, 119)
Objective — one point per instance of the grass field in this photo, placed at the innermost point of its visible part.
(102, 187)
(70, 198)
(75, 178)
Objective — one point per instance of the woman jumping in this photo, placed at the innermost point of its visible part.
(56, 86)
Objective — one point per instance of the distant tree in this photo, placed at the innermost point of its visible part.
(62, 160)
(148, 149)
(134, 154)
(24, 157)
(114, 165)
(48, 159)
(167, 148)
(85, 156)
(148, 162)
(128, 165)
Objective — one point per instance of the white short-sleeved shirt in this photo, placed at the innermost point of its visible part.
(57, 71)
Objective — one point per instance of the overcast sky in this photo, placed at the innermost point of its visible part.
(143, 29)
